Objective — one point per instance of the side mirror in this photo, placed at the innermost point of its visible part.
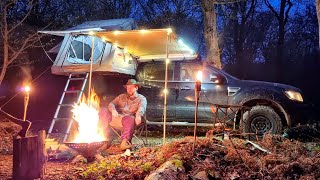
(216, 78)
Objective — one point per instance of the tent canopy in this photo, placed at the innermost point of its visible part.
(149, 44)
(101, 25)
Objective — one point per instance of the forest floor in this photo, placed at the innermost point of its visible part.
(213, 157)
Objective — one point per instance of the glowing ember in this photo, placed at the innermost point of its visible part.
(86, 113)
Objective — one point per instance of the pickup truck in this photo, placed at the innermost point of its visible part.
(270, 106)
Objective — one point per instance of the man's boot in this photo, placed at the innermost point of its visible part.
(125, 144)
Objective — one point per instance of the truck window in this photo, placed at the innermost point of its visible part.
(156, 71)
(190, 70)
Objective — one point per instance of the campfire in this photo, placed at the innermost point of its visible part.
(90, 136)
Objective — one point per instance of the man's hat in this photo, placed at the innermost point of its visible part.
(132, 82)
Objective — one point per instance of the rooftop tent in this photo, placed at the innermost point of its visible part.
(117, 50)
(75, 50)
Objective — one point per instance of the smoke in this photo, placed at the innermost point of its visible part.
(26, 74)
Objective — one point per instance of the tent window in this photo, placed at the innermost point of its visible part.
(80, 50)
(81, 47)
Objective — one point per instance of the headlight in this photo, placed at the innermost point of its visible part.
(294, 95)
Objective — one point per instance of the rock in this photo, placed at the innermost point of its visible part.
(126, 153)
(61, 156)
(172, 169)
(202, 175)
(99, 157)
(61, 152)
(79, 159)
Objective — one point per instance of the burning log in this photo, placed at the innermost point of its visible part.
(29, 157)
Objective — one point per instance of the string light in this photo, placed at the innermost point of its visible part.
(180, 41)
(27, 89)
(165, 91)
(143, 31)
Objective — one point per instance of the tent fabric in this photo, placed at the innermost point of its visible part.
(148, 44)
(101, 25)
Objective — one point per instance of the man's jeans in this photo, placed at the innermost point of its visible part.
(127, 122)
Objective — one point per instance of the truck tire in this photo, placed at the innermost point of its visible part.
(260, 120)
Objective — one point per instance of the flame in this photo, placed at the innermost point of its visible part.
(86, 113)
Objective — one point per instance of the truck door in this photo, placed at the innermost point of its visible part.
(152, 76)
(212, 93)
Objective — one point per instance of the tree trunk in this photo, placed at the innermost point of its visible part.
(281, 33)
(5, 46)
(29, 157)
(318, 15)
(210, 33)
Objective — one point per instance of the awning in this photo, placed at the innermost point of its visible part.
(149, 44)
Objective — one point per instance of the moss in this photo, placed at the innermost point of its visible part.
(178, 163)
(146, 167)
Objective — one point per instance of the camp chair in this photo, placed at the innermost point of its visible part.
(138, 130)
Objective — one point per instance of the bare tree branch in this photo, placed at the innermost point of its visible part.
(287, 11)
(11, 49)
(22, 48)
(252, 6)
(23, 19)
(9, 4)
(272, 9)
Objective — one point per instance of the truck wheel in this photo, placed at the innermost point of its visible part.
(260, 120)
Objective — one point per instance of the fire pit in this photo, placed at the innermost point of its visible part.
(87, 150)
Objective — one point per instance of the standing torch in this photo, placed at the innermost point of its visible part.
(197, 90)
(26, 101)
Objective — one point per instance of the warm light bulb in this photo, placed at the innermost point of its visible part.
(27, 89)
(143, 31)
(116, 32)
(167, 61)
(169, 30)
(91, 33)
(165, 91)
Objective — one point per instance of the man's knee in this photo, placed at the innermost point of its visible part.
(128, 121)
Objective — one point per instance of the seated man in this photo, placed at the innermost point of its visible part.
(125, 111)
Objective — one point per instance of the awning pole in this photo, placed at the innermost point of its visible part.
(166, 88)
(90, 72)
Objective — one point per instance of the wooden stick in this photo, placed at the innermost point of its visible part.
(258, 147)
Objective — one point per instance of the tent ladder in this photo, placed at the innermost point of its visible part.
(72, 93)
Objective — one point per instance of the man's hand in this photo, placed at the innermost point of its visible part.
(115, 113)
(138, 120)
